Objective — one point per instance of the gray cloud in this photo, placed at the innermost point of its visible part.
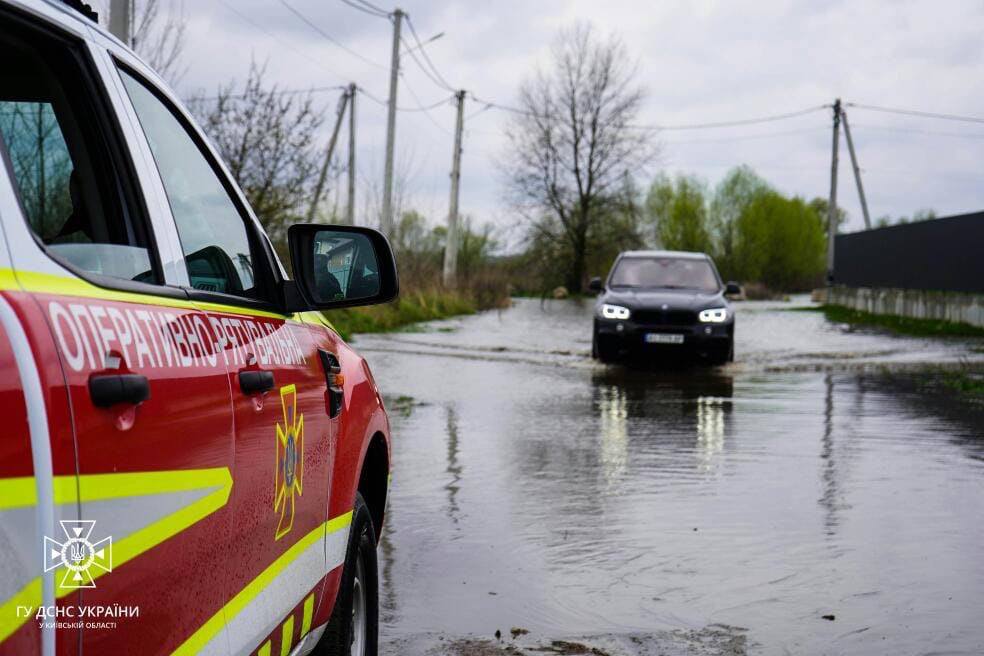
(699, 60)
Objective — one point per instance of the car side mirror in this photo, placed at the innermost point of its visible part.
(595, 284)
(732, 289)
(342, 266)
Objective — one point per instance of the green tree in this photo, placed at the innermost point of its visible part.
(780, 242)
(678, 210)
(731, 196)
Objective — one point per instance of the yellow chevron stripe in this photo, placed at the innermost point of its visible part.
(47, 283)
(102, 487)
(214, 624)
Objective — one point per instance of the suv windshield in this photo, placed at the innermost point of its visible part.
(666, 273)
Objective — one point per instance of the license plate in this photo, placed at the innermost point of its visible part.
(663, 338)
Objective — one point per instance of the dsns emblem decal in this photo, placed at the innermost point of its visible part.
(290, 460)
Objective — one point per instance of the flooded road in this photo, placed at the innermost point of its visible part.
(797, 501)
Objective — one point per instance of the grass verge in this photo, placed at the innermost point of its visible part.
(411, 307)
(966, 382)
(895, 324)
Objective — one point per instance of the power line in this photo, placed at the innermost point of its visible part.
(424, 69)
(915, 112)
(737, 122)
(750, 137)
(371, 96)
(935, 133)
(420, 107)
(426, 110)
(373, 7)
(367, 10)
(329, 37)
(685, 126)
(423, 51)
(478, 111)
(280, 92)
(273, 36)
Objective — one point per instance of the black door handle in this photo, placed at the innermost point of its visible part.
(252, 382)
(118, 388)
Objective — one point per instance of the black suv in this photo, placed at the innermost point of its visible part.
(666, 303)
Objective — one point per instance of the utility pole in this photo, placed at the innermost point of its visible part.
(451, 244)
(386, 220)
(121, 20)
(350, 208)
(319, 188)
(832, 206)
(857, 170)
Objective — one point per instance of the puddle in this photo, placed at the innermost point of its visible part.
(624, 509)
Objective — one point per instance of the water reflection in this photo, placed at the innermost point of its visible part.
(454, 467)
(677, 411)
(710, 429)
(830, 500)
(613, 430)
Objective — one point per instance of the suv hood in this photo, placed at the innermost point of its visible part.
(682, 299)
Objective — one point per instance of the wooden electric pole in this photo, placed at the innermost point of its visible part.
(350, 208)
(451, 244)
(386, 220)
(319, 188)
(857, 170)
(121, 20)
(832, 205)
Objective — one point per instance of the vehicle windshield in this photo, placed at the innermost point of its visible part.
(665, 273)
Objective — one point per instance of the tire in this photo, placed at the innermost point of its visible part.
(358, 594)
(724, 356)
(601, 353)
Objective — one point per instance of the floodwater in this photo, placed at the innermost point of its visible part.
(806, 499)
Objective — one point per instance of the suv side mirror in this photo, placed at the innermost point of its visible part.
(595, 284)
(342, 266)
(732, 289)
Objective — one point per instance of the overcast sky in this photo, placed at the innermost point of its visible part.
(699, 61)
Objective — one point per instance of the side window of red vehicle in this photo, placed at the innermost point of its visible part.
(78, 204)
(218, 249)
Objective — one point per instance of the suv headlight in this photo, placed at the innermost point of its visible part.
(713, 315)
(614, 311)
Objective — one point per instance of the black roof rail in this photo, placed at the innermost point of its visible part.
(83, 8)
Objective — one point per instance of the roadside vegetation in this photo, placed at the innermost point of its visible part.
(419, 250)
(894, 323)
(267, 139)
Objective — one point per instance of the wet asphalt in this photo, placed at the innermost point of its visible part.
(809, 498)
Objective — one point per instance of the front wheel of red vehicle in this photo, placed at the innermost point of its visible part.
(353, 629)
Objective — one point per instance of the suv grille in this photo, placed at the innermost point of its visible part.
(665, 317)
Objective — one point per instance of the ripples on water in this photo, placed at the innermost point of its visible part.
(532, 488)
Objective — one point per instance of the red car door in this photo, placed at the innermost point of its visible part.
(148, 555)
(284, 443)
(20, 530)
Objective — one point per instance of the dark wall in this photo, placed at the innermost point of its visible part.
(945, 254)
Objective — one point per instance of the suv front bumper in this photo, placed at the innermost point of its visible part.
(629, 338)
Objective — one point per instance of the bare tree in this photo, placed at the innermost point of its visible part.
(269, 141)
(572, 143)
(405, 173)
(159, 36)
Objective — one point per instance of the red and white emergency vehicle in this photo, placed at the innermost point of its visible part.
(191, 459)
